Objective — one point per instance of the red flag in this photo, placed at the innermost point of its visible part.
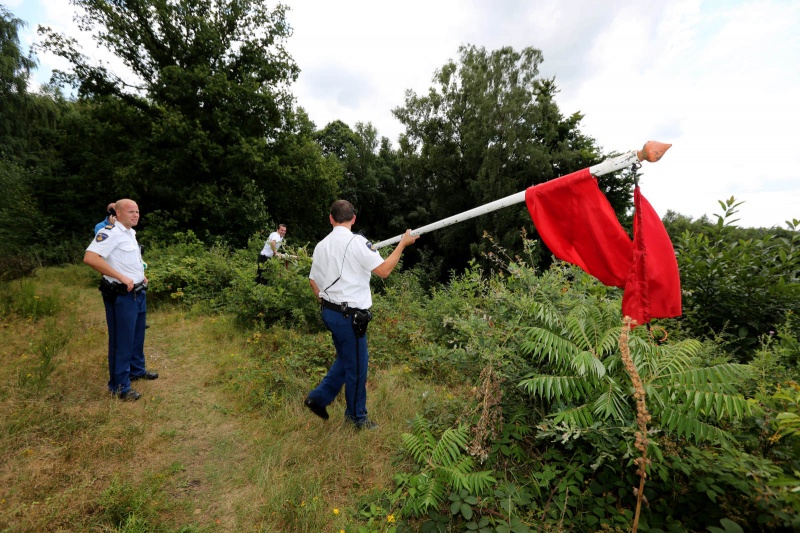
(579, 226)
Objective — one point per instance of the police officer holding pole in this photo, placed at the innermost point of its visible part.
(340, 274)
(116, 255)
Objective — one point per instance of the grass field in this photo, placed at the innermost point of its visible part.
(211, 446)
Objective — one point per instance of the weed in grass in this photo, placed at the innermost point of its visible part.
(168, 433)
(123, 505)
(28, 299)
(45, 351)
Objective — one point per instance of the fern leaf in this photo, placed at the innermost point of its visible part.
(544, 344)
(714, 378)
(431, 493)
(478, 483)
(455, 474)
(578, 417)
(690, 427)
(609, 342)
(415, 446)
(448, 450)
(547, 315)
(560, 388)
(611, 404)
(717, 404)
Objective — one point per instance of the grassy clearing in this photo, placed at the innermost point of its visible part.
(220, 442)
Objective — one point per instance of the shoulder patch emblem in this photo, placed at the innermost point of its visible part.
(101, 237)
(371, 246)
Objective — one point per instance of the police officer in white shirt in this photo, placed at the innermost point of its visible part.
(271, 246)
(340, 274)
(115, 253)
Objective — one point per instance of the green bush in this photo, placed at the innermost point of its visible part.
(188, 273)
(738, 285)
(285, 298)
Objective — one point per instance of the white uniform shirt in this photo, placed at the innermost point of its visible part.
(351, 259)
(274, 236)
(118, 246)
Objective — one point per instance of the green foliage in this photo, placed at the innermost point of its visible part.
(587, 382)
(788, 421)
(489, 128)
(26, 299)
(286, 297)
(187, 272)
(728, 526)
(206, 136)
(15, 103)
(443, 466)
(20, 222)
(736, 284)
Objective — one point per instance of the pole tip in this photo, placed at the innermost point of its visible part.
(652, 151)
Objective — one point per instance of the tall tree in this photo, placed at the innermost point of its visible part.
(15, 102)
(364, 174)
(489, 127)
(199, 117)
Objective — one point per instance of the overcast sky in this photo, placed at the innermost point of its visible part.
(720, 80)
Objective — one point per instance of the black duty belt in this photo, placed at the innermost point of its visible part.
(339, 308)
(361, 317)
(113, 288)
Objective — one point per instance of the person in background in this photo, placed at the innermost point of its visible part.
(115, 254)
(340, 272)
(109, 220)
(271, 246)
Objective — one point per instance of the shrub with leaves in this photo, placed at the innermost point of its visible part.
(739, 284)
(187, 272)
(584, 381)
(285, 298)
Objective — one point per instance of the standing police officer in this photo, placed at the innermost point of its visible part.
(111, 217)
(340, 273)
(115, 253)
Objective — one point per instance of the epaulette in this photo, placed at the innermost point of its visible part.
(110, 226)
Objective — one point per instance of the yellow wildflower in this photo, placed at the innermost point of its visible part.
(335, 511)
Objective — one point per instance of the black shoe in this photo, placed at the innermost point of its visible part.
(146, 326)
(366, 424)
(129, 396)
(317, 409)
(147, 375)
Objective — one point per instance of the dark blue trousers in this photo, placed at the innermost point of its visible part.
(125, 316)
(349, 368)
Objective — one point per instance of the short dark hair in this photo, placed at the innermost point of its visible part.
(281, 226)
(342, 211)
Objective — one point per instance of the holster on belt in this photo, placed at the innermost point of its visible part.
(114, 289)
(360, 317)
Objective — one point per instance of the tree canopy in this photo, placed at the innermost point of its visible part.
(196, 124)
(488, 128)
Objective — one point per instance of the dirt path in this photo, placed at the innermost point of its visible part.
(178, 453)
(190, 453)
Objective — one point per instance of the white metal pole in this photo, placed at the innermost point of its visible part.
(652, 151)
